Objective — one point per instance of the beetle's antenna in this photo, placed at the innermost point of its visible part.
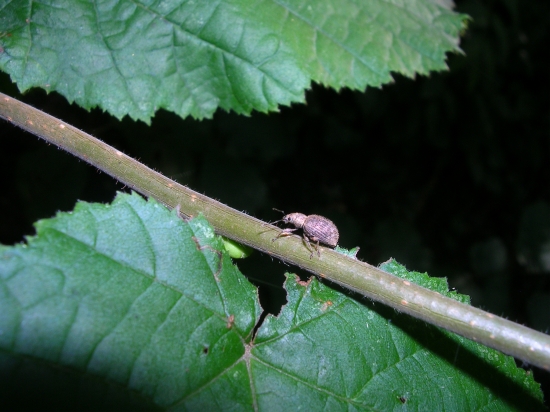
(280, 220)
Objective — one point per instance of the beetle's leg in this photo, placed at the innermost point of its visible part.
(285, 232)
(312, 247)
(316, 247)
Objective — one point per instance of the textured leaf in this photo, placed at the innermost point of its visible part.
(129, 293)
(193, 57)
(335, 353)
(131, 302)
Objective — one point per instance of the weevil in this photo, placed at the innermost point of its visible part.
(317, 229)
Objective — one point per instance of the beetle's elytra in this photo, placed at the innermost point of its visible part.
(317, 229)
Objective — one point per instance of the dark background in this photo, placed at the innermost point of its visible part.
(448, 173)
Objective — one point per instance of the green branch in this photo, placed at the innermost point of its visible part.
(493, 331)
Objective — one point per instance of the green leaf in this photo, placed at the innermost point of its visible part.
(130, 302)
(194, 57)
(130, 293)
(352, 253)
(439, 285)
(329, 349)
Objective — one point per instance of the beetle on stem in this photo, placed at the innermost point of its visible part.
(317, 229)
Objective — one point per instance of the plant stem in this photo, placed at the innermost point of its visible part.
(516, 340)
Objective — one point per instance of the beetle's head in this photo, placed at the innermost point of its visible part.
(296, 219)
